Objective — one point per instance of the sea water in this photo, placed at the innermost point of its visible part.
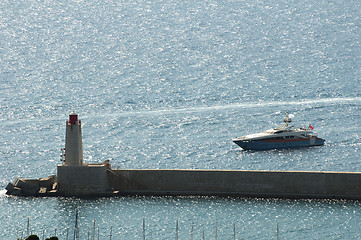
(168, 84)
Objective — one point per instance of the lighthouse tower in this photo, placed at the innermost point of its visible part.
(73, 142)
(76, 178)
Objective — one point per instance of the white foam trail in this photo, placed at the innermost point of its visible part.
(304, 102)
(2, 193)
(326, 101)
(247, 105)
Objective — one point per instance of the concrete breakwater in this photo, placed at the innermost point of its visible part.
(78, 179)
(268, 184)
(102, 181)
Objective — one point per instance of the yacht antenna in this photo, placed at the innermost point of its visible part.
(288, 119)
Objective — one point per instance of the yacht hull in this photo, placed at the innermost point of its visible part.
(267, 144)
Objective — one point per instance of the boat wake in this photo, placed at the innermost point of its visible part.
(2, 193)
(303, 102)
(198, 109)
(312, 102)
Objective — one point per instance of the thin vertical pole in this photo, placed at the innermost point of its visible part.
(234, 231)
(203, 235)
(28, 226)
(278, 233)
(67, 233)
(176, 230)
(111, 232)
(76, 225)
(216, 230)
(93, 230)
(44, 234)
(143, 229)
(192, 231)
(98, 232)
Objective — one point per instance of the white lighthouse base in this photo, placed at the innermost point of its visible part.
(82, 181)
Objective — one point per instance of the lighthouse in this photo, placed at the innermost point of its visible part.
(73, 142)
(76, 178)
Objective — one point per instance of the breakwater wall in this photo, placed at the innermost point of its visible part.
(239, 183)
(102, 181)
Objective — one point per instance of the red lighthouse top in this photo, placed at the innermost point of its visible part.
(73, 117)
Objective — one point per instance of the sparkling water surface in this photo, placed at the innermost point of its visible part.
(168, 84)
